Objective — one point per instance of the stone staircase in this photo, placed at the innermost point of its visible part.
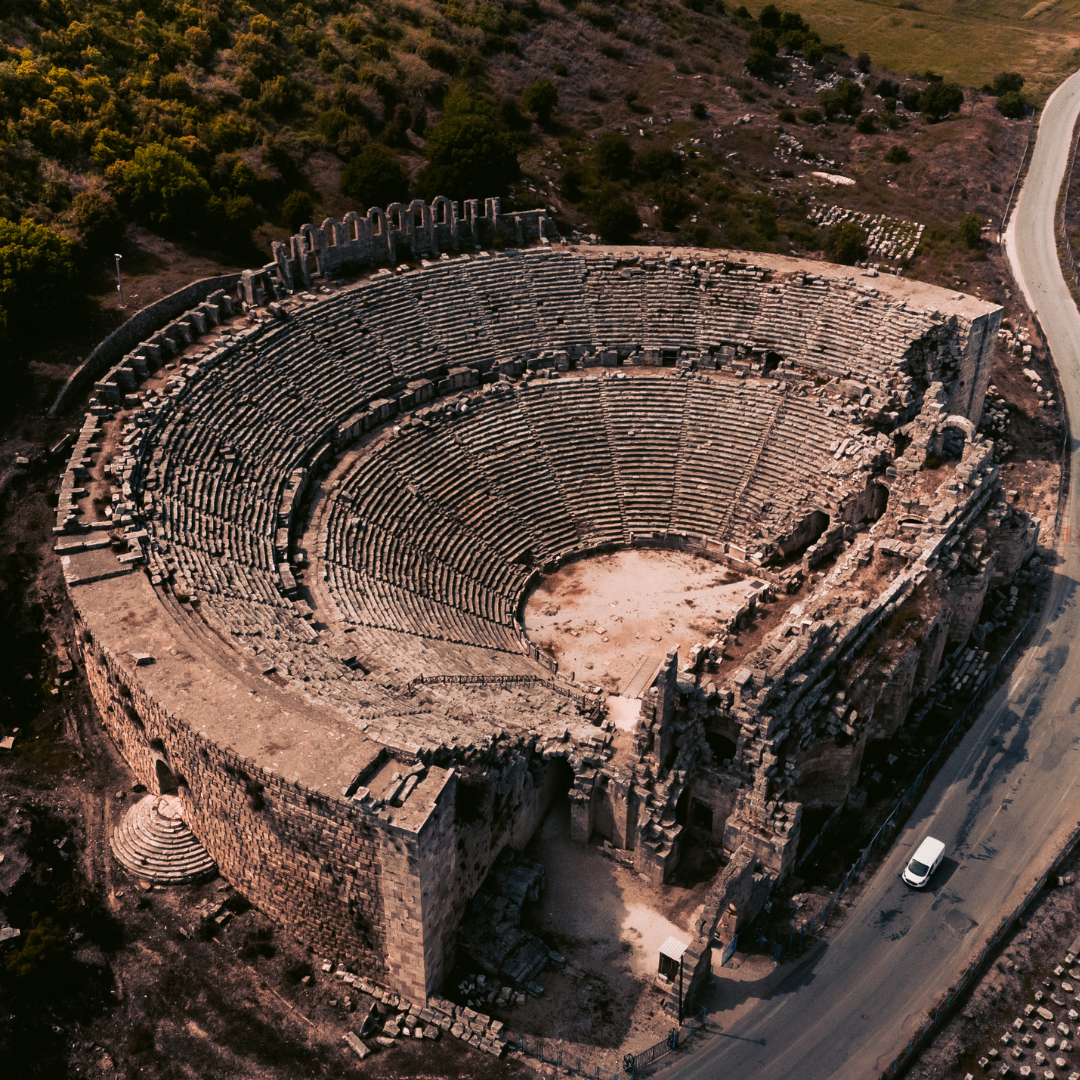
(153, 842)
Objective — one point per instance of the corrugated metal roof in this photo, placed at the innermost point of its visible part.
(674, 948)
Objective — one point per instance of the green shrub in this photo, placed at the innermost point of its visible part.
(846, 98)
(1008, 82)
(571, 182)
(541, 99)
(375, 178)
(44, 955)
(98, 220)
(175, 87)
(939, 99)
(866, 124)
(910, 98)
(897, 155)
(230, 220)
(761, 64)
(163, 190)
(970, 230)
(674, 203)
(38, 277)
(658, 163)
(614, 156)
(811, 116)
(846, 243)
(1012, 105)
(764, 40)
(698, 111)
(439, 55)
(616, 220)
(598, 16)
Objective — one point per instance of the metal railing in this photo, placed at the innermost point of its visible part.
(676, 1037)
(551, 1053)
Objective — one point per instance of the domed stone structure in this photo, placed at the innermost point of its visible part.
(153, 843)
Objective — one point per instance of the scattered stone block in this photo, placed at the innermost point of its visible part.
(356, 1045)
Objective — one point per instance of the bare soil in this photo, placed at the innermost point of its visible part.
(600, 616)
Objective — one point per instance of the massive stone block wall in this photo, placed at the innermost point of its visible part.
(316, 865)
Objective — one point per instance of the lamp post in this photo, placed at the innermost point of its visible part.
(119, 280)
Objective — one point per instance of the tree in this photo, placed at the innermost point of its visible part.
(297, 210)
(659, 163)
(909, 98)
(765, 40)
(470, 156)
(940, 99)
(674, 203)
(614, 156)
(44, 954)
(1011, 104)
(862, 62)
(698, 111)
(846, 97)
(98, 220)
(163, 189)
(616, 220)
(761, 65)
(375, 178)
(38, 277)
(970, 230)
(541, 99)
(770, 17)
(1006, 82)
(231, 219)
(571, 184)
(846, 243)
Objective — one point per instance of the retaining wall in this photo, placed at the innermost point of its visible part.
(125, 337)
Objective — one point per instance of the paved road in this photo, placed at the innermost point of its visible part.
(1003, 802)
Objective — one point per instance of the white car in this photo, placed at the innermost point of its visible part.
(923, 863)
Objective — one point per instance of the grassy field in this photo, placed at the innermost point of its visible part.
(968, 41)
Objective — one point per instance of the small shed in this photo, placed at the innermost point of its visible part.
(671, 954)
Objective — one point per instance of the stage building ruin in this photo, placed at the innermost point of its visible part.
(301, 541)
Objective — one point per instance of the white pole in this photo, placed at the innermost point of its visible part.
(119, 280)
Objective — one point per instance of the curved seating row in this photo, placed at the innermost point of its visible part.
(433, 536)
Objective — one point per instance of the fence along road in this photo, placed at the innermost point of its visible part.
(1004, 803)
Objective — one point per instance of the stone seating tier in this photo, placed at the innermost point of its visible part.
(433, 535)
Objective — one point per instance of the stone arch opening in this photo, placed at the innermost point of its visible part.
(165, 779)
(722, 746)
(167, 782)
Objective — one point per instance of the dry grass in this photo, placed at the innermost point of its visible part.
(967, 43)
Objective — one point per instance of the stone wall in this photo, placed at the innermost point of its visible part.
(126, 336)
(378, 237)
(349, 883)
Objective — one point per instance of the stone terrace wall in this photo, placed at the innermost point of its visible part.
(143, 323)
(343, 877)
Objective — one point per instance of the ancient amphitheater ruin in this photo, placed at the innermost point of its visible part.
(302, 524)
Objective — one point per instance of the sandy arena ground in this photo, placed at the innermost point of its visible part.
(601, 616)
